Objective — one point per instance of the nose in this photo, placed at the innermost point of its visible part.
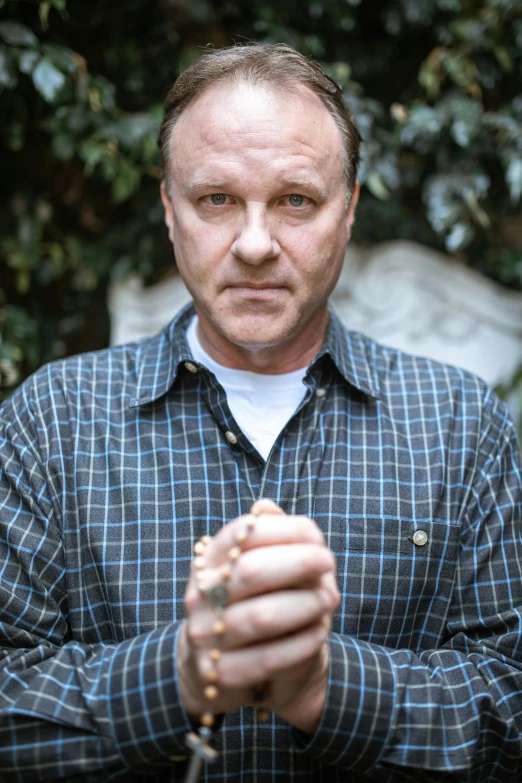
(254, 242)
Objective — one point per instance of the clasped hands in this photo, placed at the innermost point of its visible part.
(282, 595)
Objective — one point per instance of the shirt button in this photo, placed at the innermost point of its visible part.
(230, 436)
(191, 367)
(320, 392)
(420, 537)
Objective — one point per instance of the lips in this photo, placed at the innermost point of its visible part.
(256, 286)
(255, 292)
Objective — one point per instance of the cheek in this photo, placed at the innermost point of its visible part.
(301, 244)
(316, 254)
(197, 247)
(319, 237)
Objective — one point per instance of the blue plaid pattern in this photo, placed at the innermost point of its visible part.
(114, 463)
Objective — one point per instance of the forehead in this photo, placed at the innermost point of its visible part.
(256, 127)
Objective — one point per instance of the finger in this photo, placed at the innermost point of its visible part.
(266, 506)
(272, 616)
(260, 619)
(328, 582)
(269, 530)
(266, 571)
(274, 568)
(261, 662)
(259, 571)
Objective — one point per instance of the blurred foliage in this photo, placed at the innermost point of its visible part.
(435, 86)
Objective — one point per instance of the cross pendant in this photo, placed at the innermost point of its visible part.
(201, 751)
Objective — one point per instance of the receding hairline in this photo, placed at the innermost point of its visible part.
(286, 85)
(293, 92)
(278, 67)
(289, 87)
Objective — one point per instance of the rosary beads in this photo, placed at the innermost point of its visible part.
(218, 596)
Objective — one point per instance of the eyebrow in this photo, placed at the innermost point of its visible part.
(292, 184)
(200, 184)
(310, 185)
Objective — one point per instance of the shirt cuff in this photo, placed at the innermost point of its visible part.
(359, 709)
(149, 721)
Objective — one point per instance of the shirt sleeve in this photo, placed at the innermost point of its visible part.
(67, 708)
(456, 709)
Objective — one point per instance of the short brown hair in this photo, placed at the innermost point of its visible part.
(278, 66)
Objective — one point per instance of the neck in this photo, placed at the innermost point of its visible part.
(289, 355)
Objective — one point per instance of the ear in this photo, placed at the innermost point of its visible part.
(167, 206)
(350, 214)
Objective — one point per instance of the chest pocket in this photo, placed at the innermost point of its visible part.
(396, 579)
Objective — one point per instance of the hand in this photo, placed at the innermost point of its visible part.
(282, 594)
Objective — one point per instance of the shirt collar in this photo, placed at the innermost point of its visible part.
(158, 358)
(351, 354)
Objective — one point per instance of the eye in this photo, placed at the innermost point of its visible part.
(218, 199)
(295, 200)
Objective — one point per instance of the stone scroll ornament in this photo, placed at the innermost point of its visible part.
(217, 596)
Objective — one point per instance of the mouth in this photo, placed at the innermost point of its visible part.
(249, 286)
(256, 290)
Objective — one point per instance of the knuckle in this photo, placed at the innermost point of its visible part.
(331, 559)
(324, 560)
(229, 676)
(309, 530)
(196, 634)
(309, 559)
(202, 671)
(191, 600)
(262, 620)
(270, 664)
(248, 569)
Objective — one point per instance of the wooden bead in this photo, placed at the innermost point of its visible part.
(241, 536)
(251, 522)
(211, 692)
(199, 548)
(212, 675)
(206, 540)
(207, 720)
(201, 579)
(262, 716)
(218, 627)
(215, 655)
(199, 562)
(234, 553)
(226, 573)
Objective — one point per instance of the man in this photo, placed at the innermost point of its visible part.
(359, 569)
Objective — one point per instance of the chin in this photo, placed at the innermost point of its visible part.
(256, 336)
(254, 342)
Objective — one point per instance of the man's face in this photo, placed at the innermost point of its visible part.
(257, 212)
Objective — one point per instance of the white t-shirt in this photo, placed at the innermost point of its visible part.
(261, 404)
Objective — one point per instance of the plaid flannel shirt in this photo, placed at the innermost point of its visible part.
(114, 463)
